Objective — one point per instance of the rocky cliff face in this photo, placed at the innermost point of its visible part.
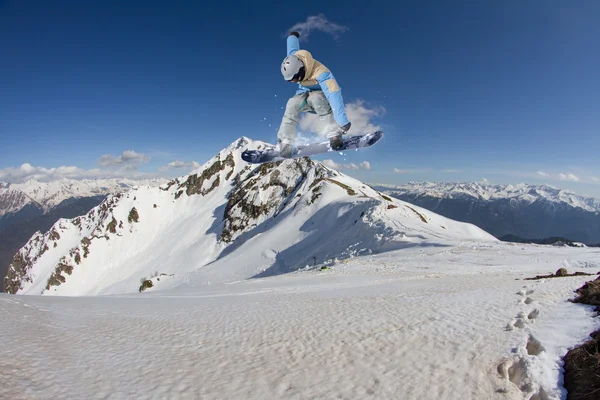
(264, 193)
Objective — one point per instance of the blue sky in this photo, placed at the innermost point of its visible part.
(506, 92)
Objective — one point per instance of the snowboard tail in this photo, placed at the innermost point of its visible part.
(349, 143)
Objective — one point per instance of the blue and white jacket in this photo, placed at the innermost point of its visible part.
(318, 77)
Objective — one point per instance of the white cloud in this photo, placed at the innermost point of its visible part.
(450, 171)
(123, 166)
(568, 177)
(411, 171)
(27, 172)
(332, 164)
(317, 23)
(182, 165)
(484, 180)
(360, 115)
(128, 160)
(581, 177)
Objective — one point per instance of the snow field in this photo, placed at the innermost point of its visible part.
(418, 323)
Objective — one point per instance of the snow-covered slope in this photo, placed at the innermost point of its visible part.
(225, 222)
(424, 323)
(26, 208)
(521, 192)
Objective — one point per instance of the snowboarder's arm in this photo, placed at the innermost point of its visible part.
(334, 95)
(293, 44)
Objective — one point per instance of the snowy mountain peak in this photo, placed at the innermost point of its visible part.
(242, 143)
(228, 220)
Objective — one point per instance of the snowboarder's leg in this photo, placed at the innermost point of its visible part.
(287, 130)
(322, 108)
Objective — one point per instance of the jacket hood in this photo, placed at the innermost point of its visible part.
(308, 61)
(312, 67)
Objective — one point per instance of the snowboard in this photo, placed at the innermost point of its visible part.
(349, 143)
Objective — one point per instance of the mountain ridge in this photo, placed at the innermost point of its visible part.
(226, 221)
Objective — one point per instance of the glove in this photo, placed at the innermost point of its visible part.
(346, 127)
(295, 34)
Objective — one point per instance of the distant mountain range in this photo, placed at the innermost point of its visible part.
(526, 211)
(48, 195)
(555, 241)
(33, 206)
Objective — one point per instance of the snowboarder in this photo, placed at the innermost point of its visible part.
(318, 92)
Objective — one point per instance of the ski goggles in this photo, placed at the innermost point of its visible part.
(299, 76)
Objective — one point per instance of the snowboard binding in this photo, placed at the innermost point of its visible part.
(336, 142)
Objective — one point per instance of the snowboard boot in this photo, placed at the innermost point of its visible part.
(336, 142)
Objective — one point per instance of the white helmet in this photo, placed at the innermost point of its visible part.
(292, 68)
